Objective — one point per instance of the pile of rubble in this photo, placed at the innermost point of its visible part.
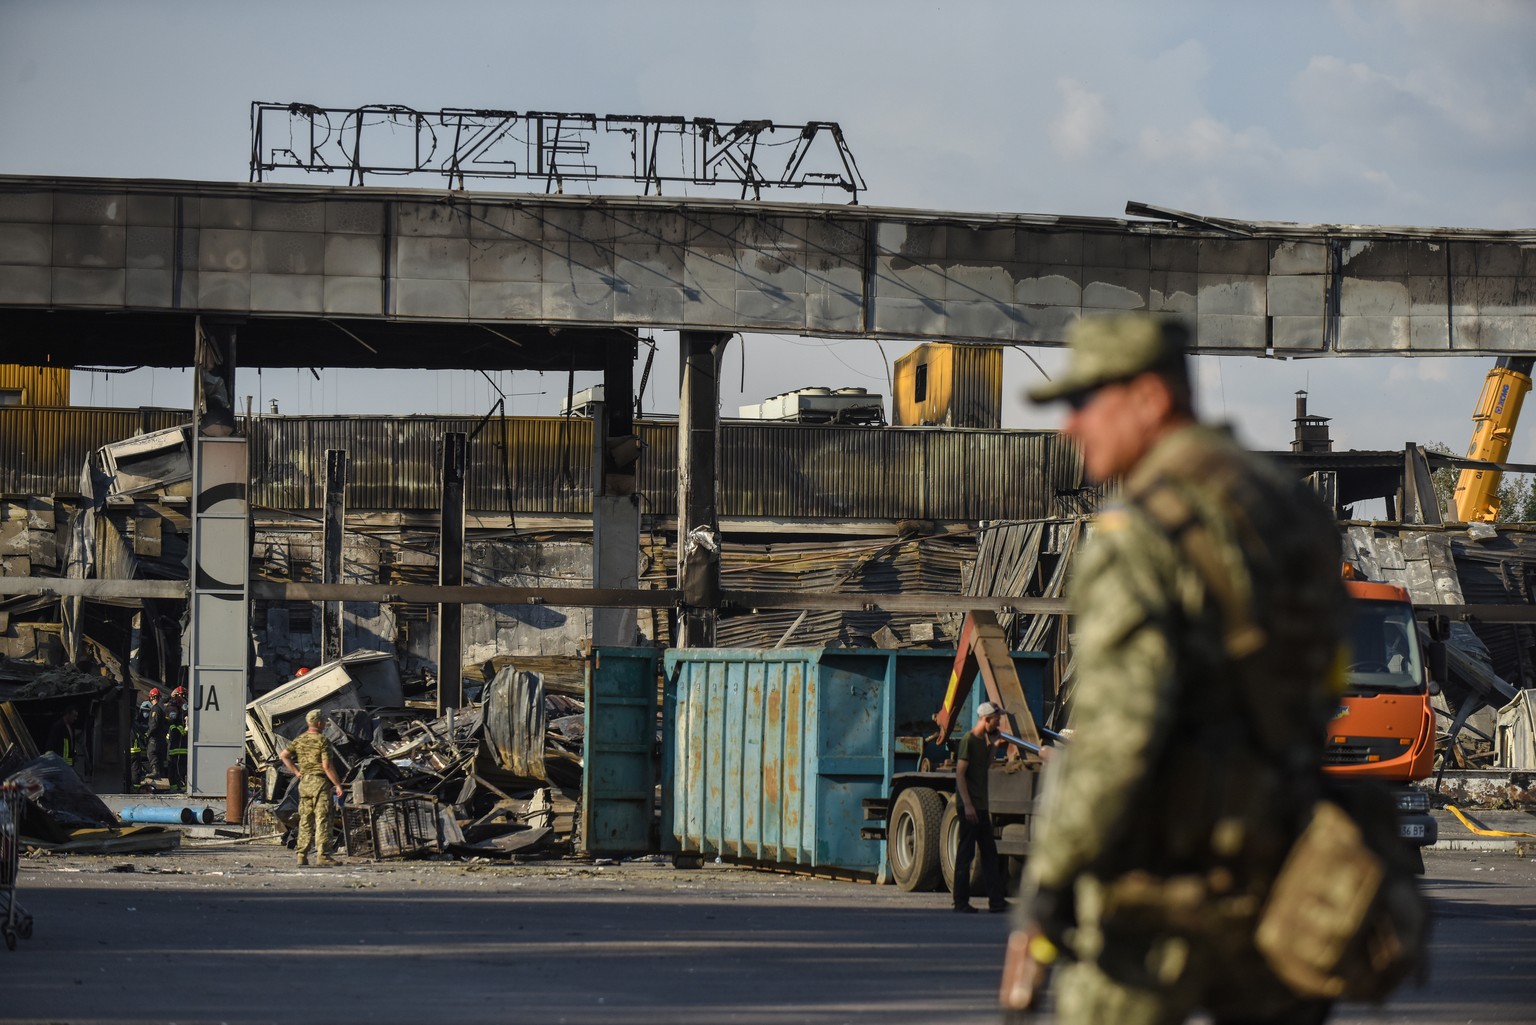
(62, 815)
(497, 779)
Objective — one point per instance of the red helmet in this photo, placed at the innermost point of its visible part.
(154, 692)
(302, 671)
(179, 692)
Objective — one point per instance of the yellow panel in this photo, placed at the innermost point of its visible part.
(39, 386)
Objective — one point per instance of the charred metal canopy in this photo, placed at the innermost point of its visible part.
(71, 337)
(466, 277)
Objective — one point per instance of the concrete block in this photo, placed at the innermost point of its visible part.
(415, 297)
(26, 207)
(220, 290)
(994, 246)
(89, 245)
(1116, 288)
(1374, 334)
(430, 220)
(1123, 251)
(1232, 295)
(1173, 254)
(1052, 249)
(353, 256)
(286, 216)
(506, 261)
(1297, 258)
(1227, 331)
(226, 250)
(506, 300)
(1297, 334)
(218, 212)
(586, 301)
(90, 208)
(432, 258)
(1296, 296)
(27, 245)
(1374, 298)
(72, 286)
(1234, 257)
(287, 252)
(287, 293)
(662, 304)
(152, 211)
(1047, 324)
(1044, 285)
(1173, 292)
(26, 286)
(149, 248)
(354, 217)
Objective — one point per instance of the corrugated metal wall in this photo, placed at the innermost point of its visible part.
(43, 449)
(39, 386)
(768, 471)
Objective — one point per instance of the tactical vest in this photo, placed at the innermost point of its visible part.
(1258, 630)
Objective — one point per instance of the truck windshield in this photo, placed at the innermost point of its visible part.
(1384, 648)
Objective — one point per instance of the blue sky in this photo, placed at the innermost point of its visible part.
(1388, 112)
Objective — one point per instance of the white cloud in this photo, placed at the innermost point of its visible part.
(1082, 125)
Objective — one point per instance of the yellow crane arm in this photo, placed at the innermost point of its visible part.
(1493, 430)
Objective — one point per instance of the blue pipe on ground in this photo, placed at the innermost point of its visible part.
(165, 813)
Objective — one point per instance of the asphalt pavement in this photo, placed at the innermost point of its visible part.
(238, 934)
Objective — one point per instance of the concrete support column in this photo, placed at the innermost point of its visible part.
(615, 507)
(450, 573)
(332, 612)
(218, 639)
(698, 486)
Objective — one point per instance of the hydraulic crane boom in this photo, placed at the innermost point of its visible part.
(1498, 410)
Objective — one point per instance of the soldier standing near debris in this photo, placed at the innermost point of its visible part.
(1209, 616)
(313, 768)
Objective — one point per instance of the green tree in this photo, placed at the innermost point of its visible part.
(1517, 491)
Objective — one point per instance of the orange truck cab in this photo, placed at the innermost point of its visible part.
(1384, 727)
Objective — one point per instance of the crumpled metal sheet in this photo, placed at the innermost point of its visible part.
(516, 722)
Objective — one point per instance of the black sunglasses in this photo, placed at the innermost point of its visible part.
(1077, 400)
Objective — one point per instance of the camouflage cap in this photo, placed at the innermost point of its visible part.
(1114, 348)
(312, 716)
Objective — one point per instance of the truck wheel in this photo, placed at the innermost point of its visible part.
(950, 848)
(912, 839)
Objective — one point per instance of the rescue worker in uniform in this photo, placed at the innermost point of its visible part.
(152, 716)
(61, 737)
(308, 756)
(1209, 614)
(176, 739)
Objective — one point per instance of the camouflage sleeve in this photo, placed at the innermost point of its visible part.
(1122, 702)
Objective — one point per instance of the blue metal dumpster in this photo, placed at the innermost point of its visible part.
(768, 755)
(618, 779)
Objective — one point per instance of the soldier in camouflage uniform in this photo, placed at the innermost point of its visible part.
(313, 768)
(1209, 615)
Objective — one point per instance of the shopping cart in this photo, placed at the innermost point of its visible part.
(14, 921)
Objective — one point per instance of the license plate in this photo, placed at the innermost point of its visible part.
(1411, 830)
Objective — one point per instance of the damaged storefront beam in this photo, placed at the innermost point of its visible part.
(599, 598)
(66, 587)
(587, 597)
